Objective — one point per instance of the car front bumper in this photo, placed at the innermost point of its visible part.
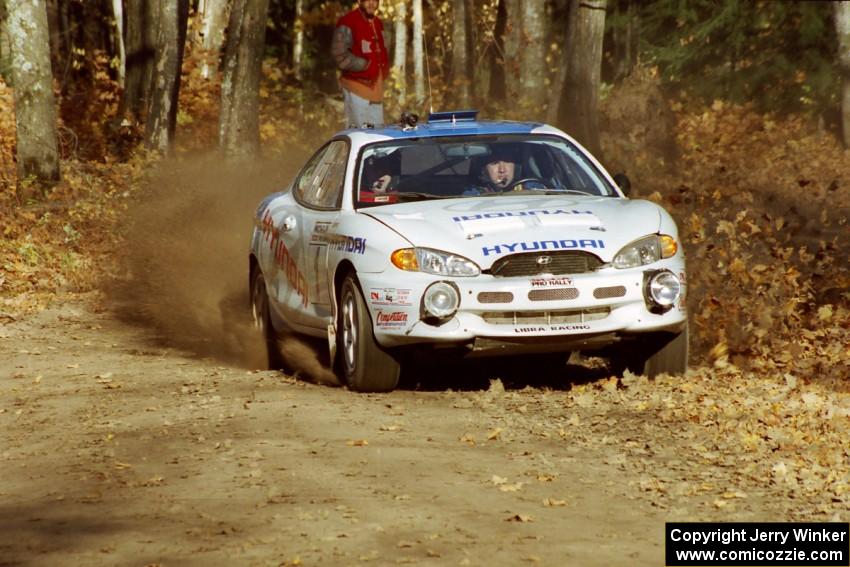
(523, 314)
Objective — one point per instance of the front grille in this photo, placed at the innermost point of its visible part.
(608, 292)
(495, 297)
(553, 294)
(545, 317)
(559, 263)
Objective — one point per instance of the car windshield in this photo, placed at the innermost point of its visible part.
(473, 166)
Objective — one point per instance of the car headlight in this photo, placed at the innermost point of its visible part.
(664, 288)
(646, 251)
(439, 302)
(434, 262)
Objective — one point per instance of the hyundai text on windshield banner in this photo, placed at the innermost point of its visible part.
(763, 544)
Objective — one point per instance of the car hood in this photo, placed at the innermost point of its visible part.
(487, 228)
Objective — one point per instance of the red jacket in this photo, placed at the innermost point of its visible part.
(368, 43)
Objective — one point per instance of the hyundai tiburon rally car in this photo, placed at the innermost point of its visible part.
(464, 238)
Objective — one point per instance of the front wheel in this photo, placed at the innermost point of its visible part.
(365, 366)
(656, 357)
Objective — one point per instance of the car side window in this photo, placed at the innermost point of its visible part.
(321, 181)
(307, 176)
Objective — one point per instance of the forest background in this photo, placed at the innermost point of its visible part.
(731, 114)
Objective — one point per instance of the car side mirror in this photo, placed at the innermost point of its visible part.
(622, 181)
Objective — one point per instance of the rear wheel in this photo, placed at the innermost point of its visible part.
(664, 356)
(365, 366)
(262, 320)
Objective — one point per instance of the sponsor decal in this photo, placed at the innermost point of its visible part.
(389, 319)
(320, 229)
(351, 244)
(498, 215)
(533, 245)
(340, 242)
(550, 328)
(283, 258)
(551, 282)
(389, 296)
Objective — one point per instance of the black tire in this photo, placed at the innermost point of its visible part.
(666, 356)
(364, 365)
(262, 320)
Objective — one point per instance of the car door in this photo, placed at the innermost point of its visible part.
(320, 194)
(287, 270)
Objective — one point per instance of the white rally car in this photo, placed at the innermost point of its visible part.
(466, 238)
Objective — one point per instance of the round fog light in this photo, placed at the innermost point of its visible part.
(440, 300)
(665, 288)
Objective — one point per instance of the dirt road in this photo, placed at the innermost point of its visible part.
(120, 450)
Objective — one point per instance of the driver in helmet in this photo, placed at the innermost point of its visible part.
(499, 173)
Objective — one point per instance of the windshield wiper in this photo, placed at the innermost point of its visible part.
(546, 191)
(417, 196)
(552, 191)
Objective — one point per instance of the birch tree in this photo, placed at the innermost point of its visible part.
(418, 57)
(842, 28)
(161, 119)
(32, 77)
(298, 38)
(400, 54)
(580, 98)
(239, 121)
(118, 14)
(214, 15)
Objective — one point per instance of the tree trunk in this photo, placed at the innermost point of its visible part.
(553, 114)
(626, 39)
(512, 40)
(298, 40)
(60, 37)
(239, 120)
(140, 18)
(161, 117)
(400, 55)
(532, 57)
(497, 54)
(35, 107)
(214, 22)
(460, 55)
(5, 46)
(418, 57)
(842, 28)
(118, 13)
(580, 97)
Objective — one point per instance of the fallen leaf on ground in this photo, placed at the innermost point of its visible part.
(468, 439)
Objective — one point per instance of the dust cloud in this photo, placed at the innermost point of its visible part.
(185, 259)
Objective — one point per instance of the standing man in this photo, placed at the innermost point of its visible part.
(361, 54)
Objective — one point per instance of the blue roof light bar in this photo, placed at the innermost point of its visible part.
(453, 116)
